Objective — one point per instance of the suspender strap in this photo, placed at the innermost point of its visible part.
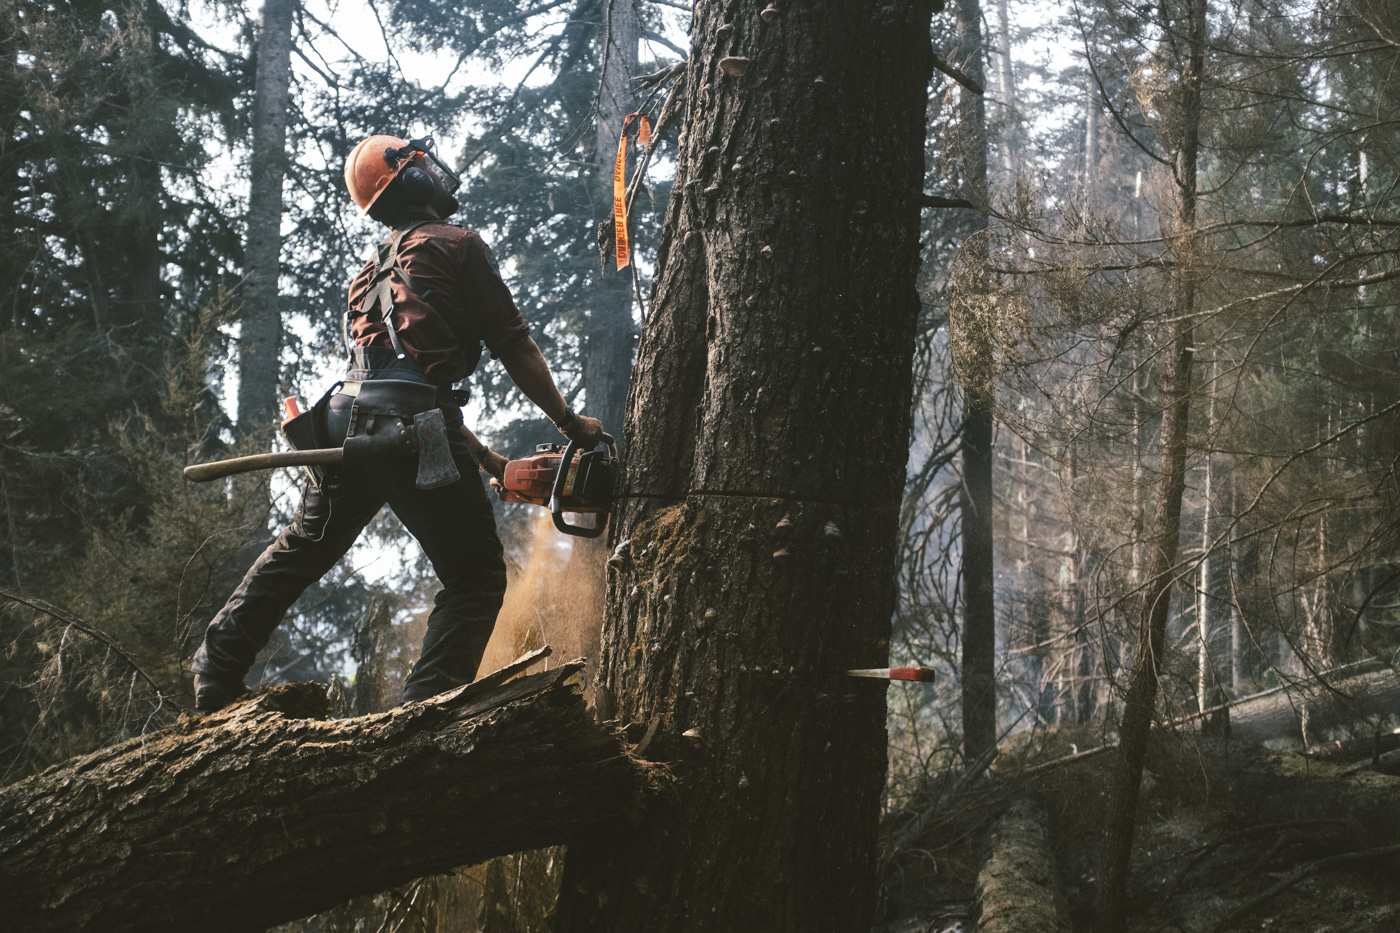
(381, 294)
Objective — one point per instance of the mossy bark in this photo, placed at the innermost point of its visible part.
(1017, 888)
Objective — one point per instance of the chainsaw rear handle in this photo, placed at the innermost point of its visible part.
(556, 496)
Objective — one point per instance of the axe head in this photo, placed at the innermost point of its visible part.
(435, 465)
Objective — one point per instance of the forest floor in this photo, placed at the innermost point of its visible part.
(1194, 871)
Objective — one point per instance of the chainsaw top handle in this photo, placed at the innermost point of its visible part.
(561, 479)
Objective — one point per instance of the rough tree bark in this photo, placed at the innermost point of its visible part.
(1184, 29)
(767, 431)
(267, 811)
(970, 317)
(260, 338)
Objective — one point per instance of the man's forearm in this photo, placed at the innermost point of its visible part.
(474, 443)
(527, 369)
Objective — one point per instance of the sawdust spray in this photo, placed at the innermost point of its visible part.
(555, 599)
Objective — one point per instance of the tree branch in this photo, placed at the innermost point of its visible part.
(87, 628)
(957, 75)
(934, 200)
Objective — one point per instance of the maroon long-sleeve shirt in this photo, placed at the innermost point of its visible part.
(470, 305)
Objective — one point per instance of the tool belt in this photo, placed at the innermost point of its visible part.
(374, 419)
(379, 409)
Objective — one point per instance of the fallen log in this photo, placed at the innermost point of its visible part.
(1374, 747)
(267, 811)
(1254, 785)
(1305, 711)
(1018, 888)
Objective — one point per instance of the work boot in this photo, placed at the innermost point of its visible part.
(212, 695)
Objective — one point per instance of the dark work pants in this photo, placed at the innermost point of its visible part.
(456, 528)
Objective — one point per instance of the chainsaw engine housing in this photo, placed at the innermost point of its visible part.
(587, 485)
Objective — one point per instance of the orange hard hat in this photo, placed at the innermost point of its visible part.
(372, 166)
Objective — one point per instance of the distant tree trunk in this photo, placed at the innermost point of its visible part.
(610, 339)
(12, 260)
(268, 812)
(1091, 136)
(975, 499)
(1011, 133)
(1187, 26)
(261, 320)
(767, 430)
(1137, 522)
(144, 193)
(1205, 670)
(1237, 635)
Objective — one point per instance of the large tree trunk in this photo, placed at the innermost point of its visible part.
(969, 317)
(767, 432)
(260, 320)
(1187, 29)
(610, 340)
(267, 812)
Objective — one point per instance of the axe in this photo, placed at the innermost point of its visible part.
(428, 437)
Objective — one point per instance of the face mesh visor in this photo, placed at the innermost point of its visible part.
(451, 180)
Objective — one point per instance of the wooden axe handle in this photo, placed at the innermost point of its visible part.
(204, 472)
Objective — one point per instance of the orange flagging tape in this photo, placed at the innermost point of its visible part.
(624, 256)
(620, 201)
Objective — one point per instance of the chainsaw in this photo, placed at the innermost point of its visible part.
(584, 485)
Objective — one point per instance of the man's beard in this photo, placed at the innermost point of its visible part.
(445, 204)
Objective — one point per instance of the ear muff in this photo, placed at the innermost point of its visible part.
(416, 186)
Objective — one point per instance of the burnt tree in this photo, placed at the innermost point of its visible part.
(767, 434)
(268, 811)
